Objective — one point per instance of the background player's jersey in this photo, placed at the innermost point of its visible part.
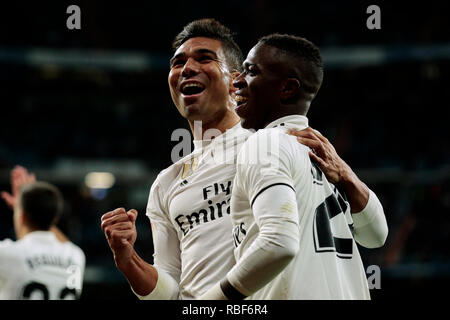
(328, 264)
(39, 266)
(189, 209)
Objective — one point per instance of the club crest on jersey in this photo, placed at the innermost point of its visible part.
(189, 168)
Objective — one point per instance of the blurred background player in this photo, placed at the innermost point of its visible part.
(293, 230)
(42, 263)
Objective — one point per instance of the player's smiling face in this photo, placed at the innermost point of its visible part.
(199, 79)
(258, 93)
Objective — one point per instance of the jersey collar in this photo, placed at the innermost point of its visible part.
(293, 121)
(200, 144)
(40, 235)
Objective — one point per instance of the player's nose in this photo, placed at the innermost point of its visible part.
(239, 81)
(190, 68)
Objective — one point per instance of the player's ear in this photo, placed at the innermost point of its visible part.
(290, 88)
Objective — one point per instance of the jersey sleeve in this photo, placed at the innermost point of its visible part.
(80, 258)
(5, 254)
(266, 159)
(6, 243)
(4, 260)
(275, 212)
(370, 226)
(167, 254)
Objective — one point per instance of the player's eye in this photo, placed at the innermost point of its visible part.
(205, 59)
(177, 63)
(251, 71)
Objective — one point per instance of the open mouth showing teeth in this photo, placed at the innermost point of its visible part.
(190, 89)
(240, 100)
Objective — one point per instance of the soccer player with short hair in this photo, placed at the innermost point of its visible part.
(189, 202)
(42, 263)
(293, 230)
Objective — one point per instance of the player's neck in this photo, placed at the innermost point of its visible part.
(24, 230)
(284, 111)
(202, 130)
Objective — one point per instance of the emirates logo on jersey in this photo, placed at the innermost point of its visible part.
(212, 210)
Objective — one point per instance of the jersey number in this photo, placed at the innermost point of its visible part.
(33, 289)
(324, 240)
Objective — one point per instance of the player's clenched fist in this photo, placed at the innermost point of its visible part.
(119, 227)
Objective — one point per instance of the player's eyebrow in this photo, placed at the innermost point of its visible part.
(181, 54)
(204, 50)
(198, 51)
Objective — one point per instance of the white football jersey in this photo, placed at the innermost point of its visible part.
(189, 210)
(39, 266)
(328, 264)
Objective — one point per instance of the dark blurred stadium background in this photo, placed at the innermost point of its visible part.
(96, 100)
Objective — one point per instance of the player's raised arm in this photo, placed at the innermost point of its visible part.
(368, 215)
(148, 282)
(19, 177)
(119, 227)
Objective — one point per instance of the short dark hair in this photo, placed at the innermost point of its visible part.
(297, 47)
(41, 203)
(211, 28)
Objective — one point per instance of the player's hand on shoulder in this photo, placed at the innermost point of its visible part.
(323, 153)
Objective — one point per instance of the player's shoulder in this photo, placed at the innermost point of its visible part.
(73, 246)
(245, 133)
(76, 251)
(274, 140)
(273, 132)
(10, 249)
(262, 136)
(56, 247)
(6, 245)
(167, 176)
(164, 182)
